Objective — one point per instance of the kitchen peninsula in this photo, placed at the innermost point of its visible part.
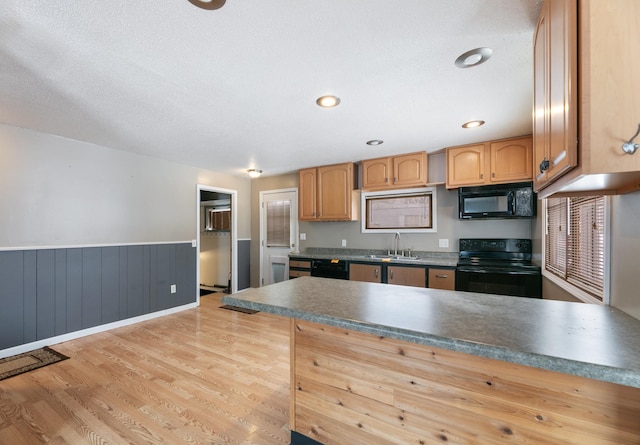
(375, 363)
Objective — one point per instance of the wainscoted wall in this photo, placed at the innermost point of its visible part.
(46, 293)
(244, 263)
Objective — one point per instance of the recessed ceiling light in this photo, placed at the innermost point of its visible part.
(472, 124)
(254, 173)
(474, 57)
(208, 4)
(328, 101)
(374, 142)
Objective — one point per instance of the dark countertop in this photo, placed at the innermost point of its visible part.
(598, 342)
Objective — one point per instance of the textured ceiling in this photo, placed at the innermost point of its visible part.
(235, 88)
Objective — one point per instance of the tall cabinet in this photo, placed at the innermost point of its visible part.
(586, 98)
(327, 193)
(555, 91)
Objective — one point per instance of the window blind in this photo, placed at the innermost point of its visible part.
(585, 261)
(556, 242)
(278, 223)
(575, 241)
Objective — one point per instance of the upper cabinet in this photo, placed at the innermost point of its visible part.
(586, 98)
(555, 94)
(403, 171)
(326, 193)
(493, 162)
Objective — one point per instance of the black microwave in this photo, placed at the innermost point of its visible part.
(516, 200)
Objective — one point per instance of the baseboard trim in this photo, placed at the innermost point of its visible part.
(94, 330)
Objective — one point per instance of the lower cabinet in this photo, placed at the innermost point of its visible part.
(417, 276)
(442, 279)
(299, 268)
(407, 276)
(371, 273)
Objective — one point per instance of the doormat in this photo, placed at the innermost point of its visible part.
(238, 309)
(28, 361)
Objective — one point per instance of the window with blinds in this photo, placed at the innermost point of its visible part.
(575, 241)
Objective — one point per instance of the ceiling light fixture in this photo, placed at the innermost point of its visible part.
(254, 173)
(472, 124)
(208, 4)
(328, 101)
(374, 142)
(473, 57)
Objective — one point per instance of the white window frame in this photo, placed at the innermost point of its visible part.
(398, 193)
(567, 286)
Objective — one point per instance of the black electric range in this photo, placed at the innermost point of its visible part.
(498, 266)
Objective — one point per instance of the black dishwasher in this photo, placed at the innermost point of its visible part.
(330, 268)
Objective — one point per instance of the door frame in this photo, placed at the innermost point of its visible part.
(295, 229)
(234, 235)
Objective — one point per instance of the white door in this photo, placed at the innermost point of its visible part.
(278, 233)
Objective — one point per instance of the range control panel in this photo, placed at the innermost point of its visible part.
(515, 245)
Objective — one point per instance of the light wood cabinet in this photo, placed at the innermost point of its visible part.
(555, 102)
(403, 171)
(492, 162)
(371, 273)
(586, 97)
(327, 193)
(299, 273)
(307, 204)
(442, 279)
(465, 165)
(299, 268)
(407, 276)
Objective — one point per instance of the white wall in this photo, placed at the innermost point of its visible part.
(61, 192)
(625, 253)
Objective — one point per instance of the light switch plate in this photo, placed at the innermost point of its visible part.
(443, 242)
(344, 243)
(303, 236)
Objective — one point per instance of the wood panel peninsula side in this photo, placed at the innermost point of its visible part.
(384, 364)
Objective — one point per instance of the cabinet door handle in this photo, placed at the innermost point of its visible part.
(375, 272)
(391, 274)
(630, 147)
(386, 179)
(544, 165)
(481, 175)
(493, 175)
(442, 276)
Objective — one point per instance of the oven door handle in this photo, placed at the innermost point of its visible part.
(464, 269)
(511, 196)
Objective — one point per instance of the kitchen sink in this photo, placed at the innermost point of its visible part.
(392, 257)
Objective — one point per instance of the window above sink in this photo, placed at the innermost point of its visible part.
(405, 211)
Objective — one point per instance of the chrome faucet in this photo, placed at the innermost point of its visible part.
(396, 243)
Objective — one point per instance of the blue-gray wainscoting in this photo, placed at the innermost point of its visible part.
(50, 292)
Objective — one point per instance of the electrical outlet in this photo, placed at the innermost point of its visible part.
(174, 289)
(303, 236)
(443, 242)
(344, 243)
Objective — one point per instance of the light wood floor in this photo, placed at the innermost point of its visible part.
(202, 376)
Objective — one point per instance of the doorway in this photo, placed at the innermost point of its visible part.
(278, 233)
(216, 263)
